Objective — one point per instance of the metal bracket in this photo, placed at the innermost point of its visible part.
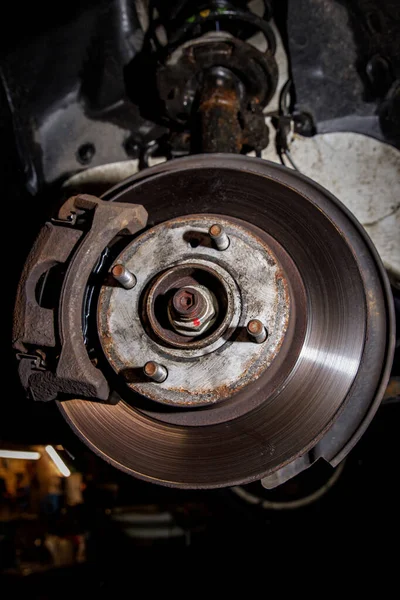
(35, 326)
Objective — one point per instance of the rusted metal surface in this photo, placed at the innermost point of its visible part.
(336, 368)
(155, 371)
(227, 83)
(187, 276)
(219, 237)
(193, 310)
(74, 373)
(229, 123)
(213, 376)
(33, 324)
(187, 304)
(257, 331)
(219, 110)
(258, 70)
(248, 398)
(74, 367)
(123, 276)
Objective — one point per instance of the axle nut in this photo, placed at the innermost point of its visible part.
(192, 310)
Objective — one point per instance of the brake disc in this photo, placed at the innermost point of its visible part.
(242, 333)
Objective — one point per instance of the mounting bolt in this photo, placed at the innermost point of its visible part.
(256, 330)
(219, 237)
(123, 276)
(155, 371)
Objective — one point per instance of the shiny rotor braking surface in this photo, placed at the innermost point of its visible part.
(335, 369)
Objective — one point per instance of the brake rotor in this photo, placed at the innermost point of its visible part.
(261, 355)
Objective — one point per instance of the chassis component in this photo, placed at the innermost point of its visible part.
(213, 409)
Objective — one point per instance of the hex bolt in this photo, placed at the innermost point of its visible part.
(192, 310)
(257, 332)
(219, 237)
(123, 276)
(155, 371)
(187, 304)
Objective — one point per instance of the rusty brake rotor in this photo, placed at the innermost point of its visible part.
(248, 332)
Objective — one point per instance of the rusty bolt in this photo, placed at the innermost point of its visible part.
(256, 330)
(123, 276)
(155, 371)
(192, 310)
(219, 237)
(187, 304)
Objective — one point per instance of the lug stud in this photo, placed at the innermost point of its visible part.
(155, 371)
(219, 237)
(257, 332)
(123, 276)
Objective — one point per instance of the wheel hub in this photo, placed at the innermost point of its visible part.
(214, 357)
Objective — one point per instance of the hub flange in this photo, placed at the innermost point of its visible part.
(215, 363)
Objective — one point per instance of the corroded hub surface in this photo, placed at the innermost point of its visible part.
(179, 271)
(206, 297)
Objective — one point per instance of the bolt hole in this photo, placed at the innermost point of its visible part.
(132, 147)
(85, 153)
(194, 239)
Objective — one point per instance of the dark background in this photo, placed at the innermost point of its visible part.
(45, 51)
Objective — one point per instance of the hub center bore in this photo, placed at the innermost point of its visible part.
(186, 302)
